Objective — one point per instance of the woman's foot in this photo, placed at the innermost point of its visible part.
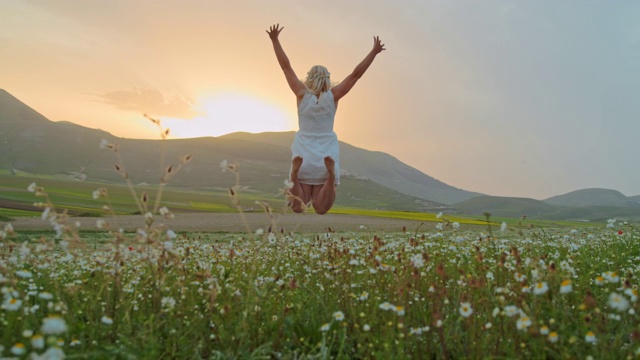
(330, 164)
(296, 163)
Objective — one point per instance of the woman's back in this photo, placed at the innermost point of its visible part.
(316, 114)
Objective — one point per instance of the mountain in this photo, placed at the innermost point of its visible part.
(635, 198)
(506, 207)
(593, 197)
(536, 209)
(380, 167)
(13, 110)
(33, 144)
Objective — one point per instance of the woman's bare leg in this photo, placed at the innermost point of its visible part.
(324, 195)
(299, 191)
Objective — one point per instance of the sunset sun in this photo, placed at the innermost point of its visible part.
(228, 113)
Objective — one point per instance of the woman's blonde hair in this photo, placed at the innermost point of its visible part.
(318, 79)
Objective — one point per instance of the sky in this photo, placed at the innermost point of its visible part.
(506, 98)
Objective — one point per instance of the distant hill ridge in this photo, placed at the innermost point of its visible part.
(537, 209)
(593, 197)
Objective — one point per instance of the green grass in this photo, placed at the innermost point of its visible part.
(349, 295)
(5, 218)
(149, 294)
(533, 222)
(77, 196)
(495, 222)
(409, 215)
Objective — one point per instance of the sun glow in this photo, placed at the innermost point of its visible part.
(228, 113)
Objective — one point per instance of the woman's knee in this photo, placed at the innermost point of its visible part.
(321, 211)
(297, 206)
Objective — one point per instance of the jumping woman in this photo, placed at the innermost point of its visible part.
(315, 164)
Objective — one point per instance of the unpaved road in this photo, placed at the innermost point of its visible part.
(216, 222)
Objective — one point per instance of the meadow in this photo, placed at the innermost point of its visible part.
(450, 288)
(446, 291)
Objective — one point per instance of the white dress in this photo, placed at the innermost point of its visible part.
(315, 138)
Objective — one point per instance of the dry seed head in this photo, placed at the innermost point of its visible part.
(225, 165)
(120, 170)
(98, 193)
(155, 121)
(265, 206)
(169, 170)
(8, 229)
(38, 190)
(145, 198)
(105, 144)
(186, 159)
(166, 213)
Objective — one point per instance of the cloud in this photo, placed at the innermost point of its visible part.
(150, 101)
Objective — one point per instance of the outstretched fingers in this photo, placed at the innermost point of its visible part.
(274, 31)
(378, 46)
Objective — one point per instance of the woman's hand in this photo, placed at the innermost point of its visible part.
(274, 31)
(378, 46)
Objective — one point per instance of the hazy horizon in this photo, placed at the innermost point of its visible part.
(523, 99)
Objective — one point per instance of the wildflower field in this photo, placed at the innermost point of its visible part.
(441, 292)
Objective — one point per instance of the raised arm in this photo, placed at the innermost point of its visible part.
(345, 86)
(294, 83)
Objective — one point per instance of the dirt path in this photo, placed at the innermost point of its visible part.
(199, 222)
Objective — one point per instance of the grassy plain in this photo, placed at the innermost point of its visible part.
(76, 197)
(451, 293)
(464, 288)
